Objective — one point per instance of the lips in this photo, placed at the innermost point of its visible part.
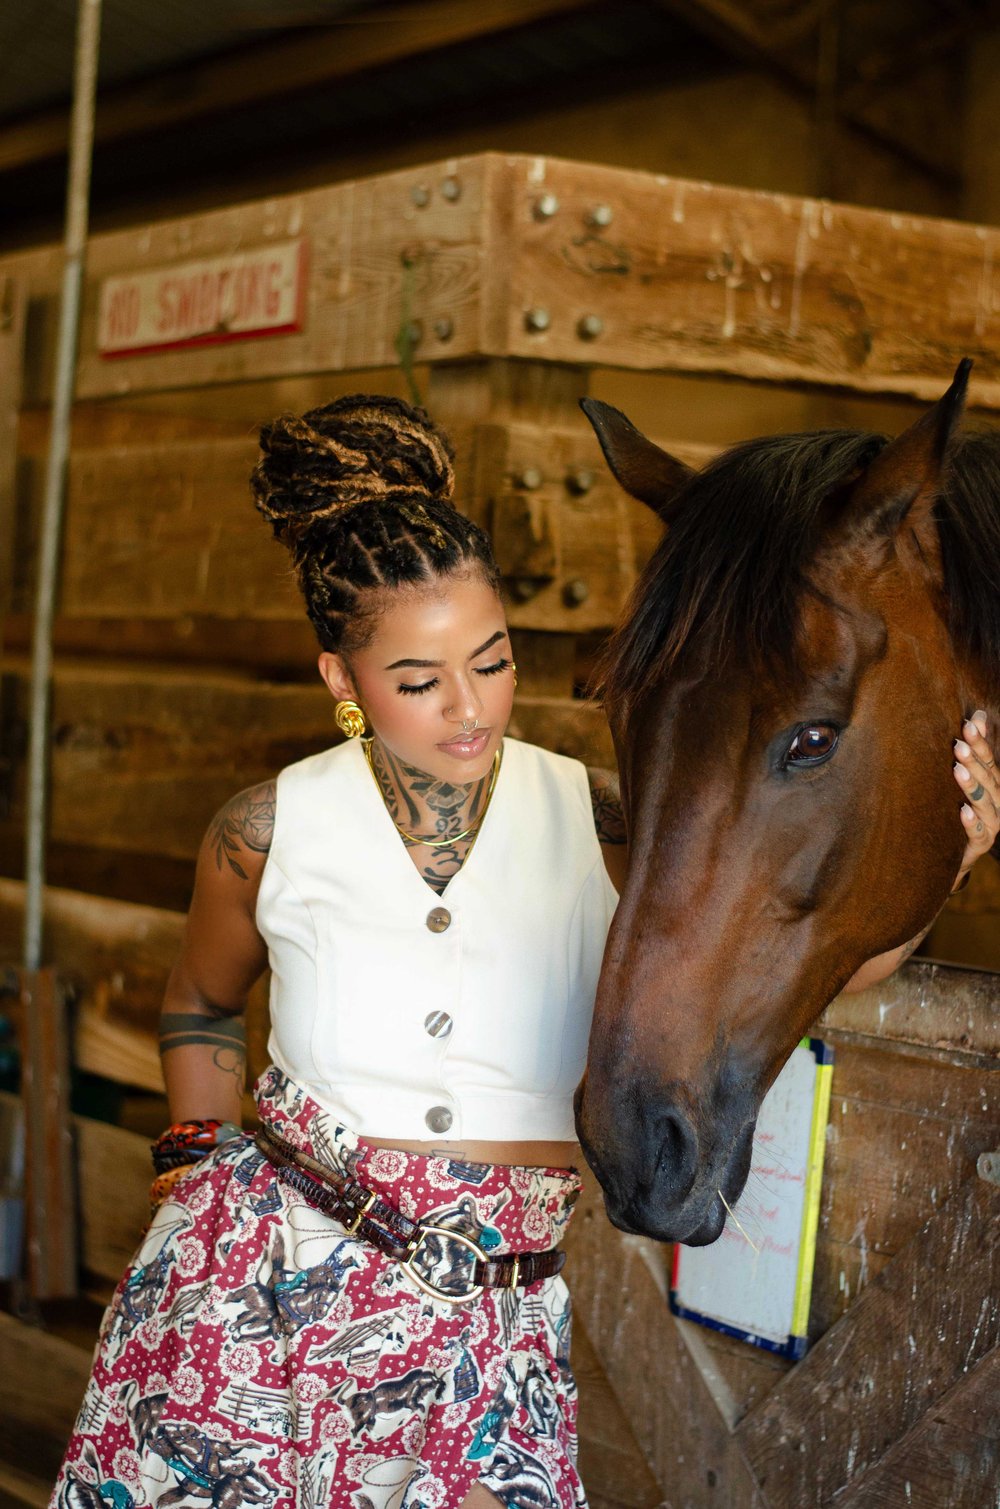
(468, 748)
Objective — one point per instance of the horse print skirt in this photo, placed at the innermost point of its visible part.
(256, 1356)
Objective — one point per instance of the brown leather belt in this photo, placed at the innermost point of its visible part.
(365, 1215)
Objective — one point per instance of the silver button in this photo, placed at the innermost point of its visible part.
(438, 919)
(438, 1023)
(438, 1118)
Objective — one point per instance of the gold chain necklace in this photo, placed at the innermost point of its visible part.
(434, 843)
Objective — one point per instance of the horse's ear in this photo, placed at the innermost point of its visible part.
(643, 469)
(901, 484)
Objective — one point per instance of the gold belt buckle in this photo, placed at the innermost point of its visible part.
(413, 1247)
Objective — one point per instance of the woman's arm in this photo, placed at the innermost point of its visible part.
(222, 955)
(975, 772)
(606, 801)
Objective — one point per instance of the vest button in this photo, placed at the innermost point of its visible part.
(438, 1023)
(438, 1118)
(438, 919)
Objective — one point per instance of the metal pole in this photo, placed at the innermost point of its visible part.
(77, 199)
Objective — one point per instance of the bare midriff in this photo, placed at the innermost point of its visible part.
(525, 1154)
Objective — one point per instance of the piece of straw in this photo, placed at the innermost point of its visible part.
(736, 1222)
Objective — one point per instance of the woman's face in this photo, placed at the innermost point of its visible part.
(440, 655)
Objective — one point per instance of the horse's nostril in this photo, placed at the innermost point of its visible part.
(678, 1160)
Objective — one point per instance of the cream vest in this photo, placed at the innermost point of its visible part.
(413, 1015)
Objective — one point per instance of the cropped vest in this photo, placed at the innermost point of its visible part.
(413, 1015)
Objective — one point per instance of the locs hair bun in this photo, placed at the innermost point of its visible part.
(356, 451)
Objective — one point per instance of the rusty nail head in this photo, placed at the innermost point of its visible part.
(537, 319)
(421, 195)
(575, 592)
(600, 216)
(545, 207)
(580, 480)
(589, 327)
(444, 329)
(530, 478)
(988, 1167)
(451, 189)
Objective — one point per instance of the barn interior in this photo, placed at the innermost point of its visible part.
(464, 193)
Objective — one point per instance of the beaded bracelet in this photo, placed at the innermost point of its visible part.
(188, 1142)
(163, 1184)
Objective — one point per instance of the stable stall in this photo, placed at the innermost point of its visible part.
(499, 290)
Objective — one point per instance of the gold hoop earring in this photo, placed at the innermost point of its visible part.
(349, 718)
(514, 669)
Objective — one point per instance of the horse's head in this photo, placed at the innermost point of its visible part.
(783, 696)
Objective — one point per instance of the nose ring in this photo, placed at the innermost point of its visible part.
(469, 728)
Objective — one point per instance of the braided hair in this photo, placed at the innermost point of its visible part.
(359, 491)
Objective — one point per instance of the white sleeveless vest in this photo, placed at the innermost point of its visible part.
(413, 1015)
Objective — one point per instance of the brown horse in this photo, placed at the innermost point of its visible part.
(822, 612)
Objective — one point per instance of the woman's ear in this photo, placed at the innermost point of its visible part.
(338, 678)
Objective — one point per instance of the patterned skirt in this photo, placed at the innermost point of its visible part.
(254, 1354)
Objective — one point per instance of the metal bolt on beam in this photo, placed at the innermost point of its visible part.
(589, 327)
(523, 588)
(600, 216)
(988, 1167)
(444, 328)
(420, 195)
(575, 592)
(545, 207)
(529, 478)
(580, 480)
(451, 189)
(413, 332)
(537, 319)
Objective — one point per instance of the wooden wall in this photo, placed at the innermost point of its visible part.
(184, 671)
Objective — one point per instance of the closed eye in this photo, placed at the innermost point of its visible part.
(494, 670)
(415, 691)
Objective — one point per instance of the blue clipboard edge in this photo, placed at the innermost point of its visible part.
(794, 1347)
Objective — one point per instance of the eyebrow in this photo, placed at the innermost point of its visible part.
(422, 665)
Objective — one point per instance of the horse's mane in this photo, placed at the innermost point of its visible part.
(728, 575)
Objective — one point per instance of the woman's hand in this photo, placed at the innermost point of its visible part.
(976, 774)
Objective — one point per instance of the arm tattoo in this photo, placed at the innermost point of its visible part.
(914, 943)
(606, 801)
(247, 822)
(225, 1035)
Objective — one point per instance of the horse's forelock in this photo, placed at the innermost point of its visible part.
(728, 575)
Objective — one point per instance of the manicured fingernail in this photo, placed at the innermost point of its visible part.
(962, 774)
(967, 811)
(979, 718)
(961, 747)
(971, 730)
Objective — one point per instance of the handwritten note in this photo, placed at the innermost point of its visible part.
(755, 1281)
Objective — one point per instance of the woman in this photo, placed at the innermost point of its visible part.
(362, 1306)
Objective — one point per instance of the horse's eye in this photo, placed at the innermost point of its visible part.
(812, 744)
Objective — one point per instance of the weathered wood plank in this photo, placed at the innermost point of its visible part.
(930, 1316)
(116, 957)
(42, 1379)
(144, 756)
(611, 1463)
(951, 1460)
(619, 1290)
(925, 1004)
(687, 277)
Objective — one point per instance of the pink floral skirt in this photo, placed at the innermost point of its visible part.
(254, 1354)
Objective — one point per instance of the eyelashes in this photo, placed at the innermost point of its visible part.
(486, 670)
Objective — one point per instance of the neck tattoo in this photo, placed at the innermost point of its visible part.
(422, 806)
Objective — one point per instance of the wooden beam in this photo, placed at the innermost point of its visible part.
(688, 277)
(116, 956)
(42, 1379)
(281, 66)
(930, 1317)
